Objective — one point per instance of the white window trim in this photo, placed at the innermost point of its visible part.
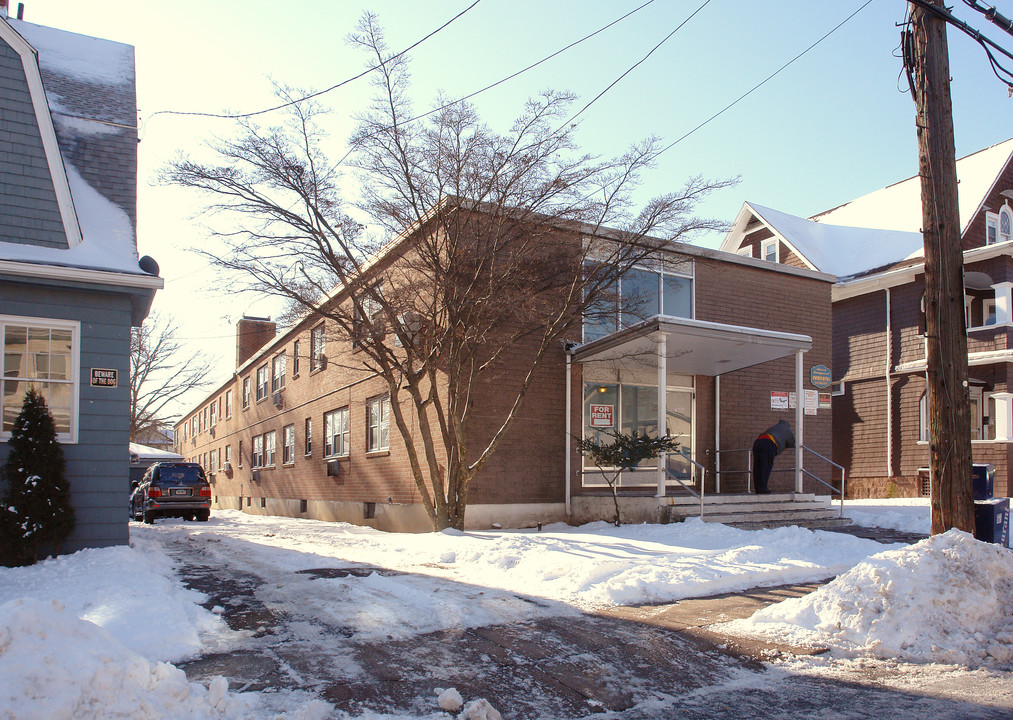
(765, 245)
(379, 402)
(745, 251)
(74, 326)
(1005, 210)
(991, 220)
(988, 308)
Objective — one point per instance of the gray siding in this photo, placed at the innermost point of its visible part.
(98, 465)
(29, 212)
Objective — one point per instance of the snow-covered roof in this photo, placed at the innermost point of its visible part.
(144, 452)
(90, 92)
(835, 249)
(899, 206)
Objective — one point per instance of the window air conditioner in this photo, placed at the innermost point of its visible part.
(227, 468)
(256, 475)
(278, 401)
(333, 468)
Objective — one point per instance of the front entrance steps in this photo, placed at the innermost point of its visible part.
(751, 512)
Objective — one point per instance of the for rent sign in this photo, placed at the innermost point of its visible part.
(602, 416)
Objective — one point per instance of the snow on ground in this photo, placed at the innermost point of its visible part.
(946, 599)
(910, 515)
(91, 634)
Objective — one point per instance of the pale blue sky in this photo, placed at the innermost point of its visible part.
(831, 127)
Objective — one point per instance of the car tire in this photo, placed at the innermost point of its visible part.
(149, 517)
(203, 515)
(188, 517)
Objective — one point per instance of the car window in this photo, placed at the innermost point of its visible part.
(180, 475)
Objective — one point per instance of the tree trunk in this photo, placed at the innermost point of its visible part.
(946, 339)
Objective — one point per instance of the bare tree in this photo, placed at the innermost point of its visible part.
(489, 250)
(161, 372)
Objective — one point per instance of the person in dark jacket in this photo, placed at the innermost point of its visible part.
(766, 447)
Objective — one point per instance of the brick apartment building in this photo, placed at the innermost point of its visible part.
(873, 245)
(302, 428)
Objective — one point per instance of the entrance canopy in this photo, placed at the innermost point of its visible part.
(693, 347)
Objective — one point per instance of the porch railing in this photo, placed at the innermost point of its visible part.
(687, 488)
(748, 471)
(823, 482)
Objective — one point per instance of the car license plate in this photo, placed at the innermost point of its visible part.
(179, 491)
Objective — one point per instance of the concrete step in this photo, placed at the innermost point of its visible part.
(762, 511)
(677, 500)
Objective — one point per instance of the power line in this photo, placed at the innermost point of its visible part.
(986, 44)
(365, 72)
(763, 82)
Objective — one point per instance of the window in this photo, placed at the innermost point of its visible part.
(317, 348)
(1005, 223)
(214, 414)
(295, 359)
(258, 452)
(228, 403)
(261, 382)
(641, 294)
(278, 373)
(768, 250)
(988, 311)
(270, 448)
(213, 467)
(228, 454)
(239, 453)
(991, 228)
(367, 314)
(335, 432)
(246, 392)
(309, 436)
(745, 251)
(288, 446)
(378, 424)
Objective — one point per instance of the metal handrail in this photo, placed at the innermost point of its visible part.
(748, 471)
(823, 482)
(703, 477)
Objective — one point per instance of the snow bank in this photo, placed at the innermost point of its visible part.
(947, 599)
(910, 515)
(55, 665)
(127, 591)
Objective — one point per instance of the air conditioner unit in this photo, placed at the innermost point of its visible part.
(256, 475)
(323, 362)
(278, 400)
(212, 431)
(227, 468)
(333, 468)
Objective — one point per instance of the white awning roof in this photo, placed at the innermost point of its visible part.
(693, 347)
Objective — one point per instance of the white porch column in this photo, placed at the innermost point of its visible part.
(1003, 415)
(799, 420)
(1003, 302)
(662, 409)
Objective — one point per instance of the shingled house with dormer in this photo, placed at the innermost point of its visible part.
(873, 245)
(70, 282)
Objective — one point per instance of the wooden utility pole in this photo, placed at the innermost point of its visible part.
(946, 346)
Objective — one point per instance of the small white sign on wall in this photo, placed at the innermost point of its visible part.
(778, 400)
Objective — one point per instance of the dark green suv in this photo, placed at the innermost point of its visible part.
(171, 489)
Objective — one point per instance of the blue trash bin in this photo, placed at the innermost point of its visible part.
(991, 521)
(982, 481)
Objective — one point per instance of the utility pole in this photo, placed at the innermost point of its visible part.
(946, 338)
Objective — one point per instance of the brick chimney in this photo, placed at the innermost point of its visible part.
(252, 333)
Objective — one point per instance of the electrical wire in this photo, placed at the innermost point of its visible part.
(986, 44)
(240, 116)
(763, 82)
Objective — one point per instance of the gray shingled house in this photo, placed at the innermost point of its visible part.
(70, 283)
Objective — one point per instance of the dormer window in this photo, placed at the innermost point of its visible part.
(1005, 224)
(991, 228)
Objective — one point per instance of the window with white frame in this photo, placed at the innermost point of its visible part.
(214, 414)
(991, 228)
(1005, 223)
(988, 311)
(288, 445)
(246, 392)
(45, 355)
(213, 466)
(295, 359)
(768, 250)
(258, 452)
(278, 373)
(335, 433)
(270, 448)
(239, 454)
(309, 437)
(228, 454)
(261, 382)
(745, 251)
(641, 294)
(317, 347)
(378, 423)
(228, 403)
(923, 418)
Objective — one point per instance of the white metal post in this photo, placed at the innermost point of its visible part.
(569, 442)
(717, 433)
(799, 420)
(662, 405)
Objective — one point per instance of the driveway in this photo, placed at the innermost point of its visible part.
(659, 661)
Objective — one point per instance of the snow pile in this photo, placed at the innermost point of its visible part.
(947, 599)
(54, 664)
(127, 591)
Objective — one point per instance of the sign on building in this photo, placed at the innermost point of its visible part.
(602, 416)
(778, 400)
(819, 376)
(102, 377)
